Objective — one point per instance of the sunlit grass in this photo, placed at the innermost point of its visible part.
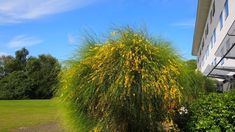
(26, 113)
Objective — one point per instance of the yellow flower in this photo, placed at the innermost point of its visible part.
(134, 41)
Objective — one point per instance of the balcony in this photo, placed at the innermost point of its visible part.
(226, 51)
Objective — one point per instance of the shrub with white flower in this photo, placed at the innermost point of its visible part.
(183, 110)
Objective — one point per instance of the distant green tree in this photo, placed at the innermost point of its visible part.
(28, 77)
(33, 72)
(50, 68)
(14, 86)
(42, 73)
(8, 64)
(21, 58)
(1, 67)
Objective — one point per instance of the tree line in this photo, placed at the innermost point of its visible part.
(28, 77)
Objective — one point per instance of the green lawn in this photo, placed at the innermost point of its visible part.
(25, 113)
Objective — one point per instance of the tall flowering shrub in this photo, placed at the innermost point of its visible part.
(130, 82)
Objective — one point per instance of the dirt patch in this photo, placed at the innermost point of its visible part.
(49, 127)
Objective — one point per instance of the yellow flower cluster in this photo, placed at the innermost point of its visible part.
(128, 71)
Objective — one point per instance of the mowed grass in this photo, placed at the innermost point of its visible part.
(25, 113)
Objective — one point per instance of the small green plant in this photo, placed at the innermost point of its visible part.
(215, 112)
(129, 82)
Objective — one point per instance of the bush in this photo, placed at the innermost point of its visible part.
(130, 82)
(196, 84)
(181, 118)
(15, 86)
(215, 112)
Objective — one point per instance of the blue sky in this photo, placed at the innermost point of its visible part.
(57, 27)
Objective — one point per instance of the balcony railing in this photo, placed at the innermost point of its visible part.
(226, 51)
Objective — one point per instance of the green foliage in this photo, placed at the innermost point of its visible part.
(42, 73)
(8, 65)
(195, 87)
(22, 77)
(14, 86)
(215, 112)
(130, 82)
(196, 84)
(210, 85)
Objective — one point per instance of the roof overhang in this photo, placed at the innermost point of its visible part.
(202, 14)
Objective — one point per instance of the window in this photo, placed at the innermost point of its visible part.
(215, 62)
(202, 44)
(214, 34)
(213, 9)
(226, 9)
(203, 60)
(207, 52)
(212, 43)
(212, 13)
(222, 62)
(206, 30)
(211, 16)
(221, 20)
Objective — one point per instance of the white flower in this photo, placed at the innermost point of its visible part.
(183, 110)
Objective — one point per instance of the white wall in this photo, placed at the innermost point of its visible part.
(220, 34)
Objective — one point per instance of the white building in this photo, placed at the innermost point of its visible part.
(214, 40)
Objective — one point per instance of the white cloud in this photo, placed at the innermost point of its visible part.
(71, 39)
(23, 41)
(14, 11)
(186, 23)
(3, 54)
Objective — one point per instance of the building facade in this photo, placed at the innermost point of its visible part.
(214, 40)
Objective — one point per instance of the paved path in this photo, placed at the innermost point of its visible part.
(50, 127)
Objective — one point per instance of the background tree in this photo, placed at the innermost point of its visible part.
(28, 77)
(15, 86)
(8, 65)
(2, 73)
(43, 72)
(21, 58)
